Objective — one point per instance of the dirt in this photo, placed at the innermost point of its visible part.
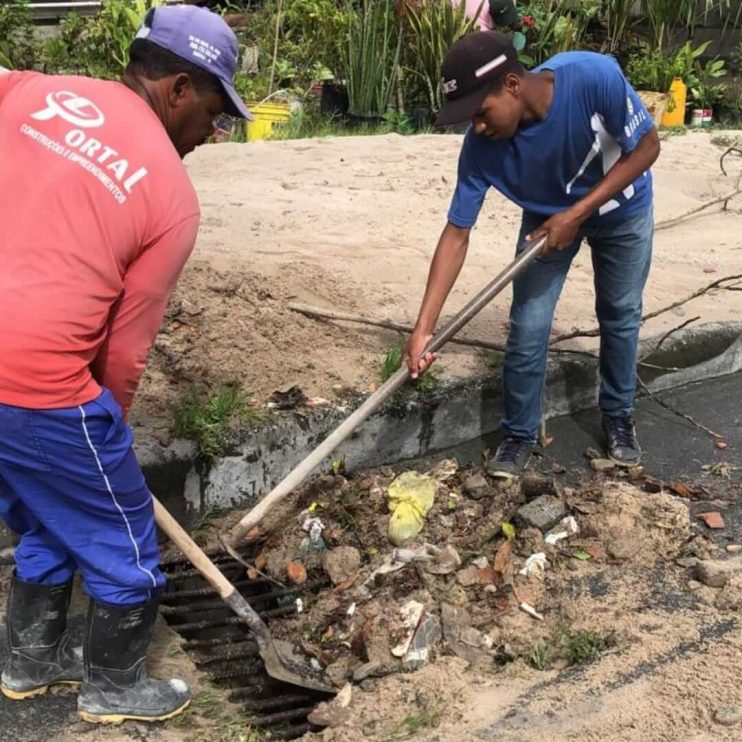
(662, 650)
(351, 224)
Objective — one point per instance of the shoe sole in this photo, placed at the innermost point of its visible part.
(23, 695)
(624, 464)
(116, 719)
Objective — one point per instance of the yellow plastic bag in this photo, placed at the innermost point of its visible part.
(411, 496)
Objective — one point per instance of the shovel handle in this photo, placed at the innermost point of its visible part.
(386, 390)
(196, 556)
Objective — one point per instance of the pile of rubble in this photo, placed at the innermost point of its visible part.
(416, 565)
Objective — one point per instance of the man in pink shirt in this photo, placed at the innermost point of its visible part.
(97, 218)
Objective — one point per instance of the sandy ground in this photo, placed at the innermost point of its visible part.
(351, 224)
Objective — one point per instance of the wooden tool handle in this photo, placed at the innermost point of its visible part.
(386, 390)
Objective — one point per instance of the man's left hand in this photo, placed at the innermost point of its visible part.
(560, 230)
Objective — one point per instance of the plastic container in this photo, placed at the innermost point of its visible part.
(678, 94)
(266, 116)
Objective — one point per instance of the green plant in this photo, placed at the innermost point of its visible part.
(581, 647)
(209, 419)
(540, 656)
(97, 46)
(705, 92)
(430, 28)
(425, 719)
(555, 26)
(617, 15)
(391, 363)
(17, 43)
(372, 59)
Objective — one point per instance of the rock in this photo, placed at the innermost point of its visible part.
(329, 715)
(635, 473)
(368, 670)
(473, 638)
(341, 564)
(543, 513)
(602, 464)
(557, 468)
(721, 445)
(734, 548)
(622, 548)
(716, 573)
(477, 487)
(486, 575)
(728, 715)
(652, 486)
(531, 540)
(533, 485)
(342, 669)
(694, 585)
(368, 686)
(428, 634)
(686, 562)
(712, 520)
(480, 562)
(296, 573)
(591, 453)
(468, 576)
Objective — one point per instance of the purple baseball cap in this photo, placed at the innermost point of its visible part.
(201, 38)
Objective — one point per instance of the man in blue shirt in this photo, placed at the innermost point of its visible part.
(571, 143)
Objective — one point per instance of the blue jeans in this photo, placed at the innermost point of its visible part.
(621, 254)
(71, 487)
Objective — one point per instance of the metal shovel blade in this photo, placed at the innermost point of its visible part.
(285, 661)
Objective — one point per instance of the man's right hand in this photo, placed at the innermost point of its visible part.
(416, 363)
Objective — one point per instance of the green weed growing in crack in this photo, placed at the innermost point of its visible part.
(208, 419)
(392, 361)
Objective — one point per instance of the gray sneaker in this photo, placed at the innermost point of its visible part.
(623, 446)
(511, 458)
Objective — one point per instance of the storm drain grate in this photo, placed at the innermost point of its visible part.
(222, 646)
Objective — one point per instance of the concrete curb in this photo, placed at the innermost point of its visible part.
(458, 412)
(410, 427)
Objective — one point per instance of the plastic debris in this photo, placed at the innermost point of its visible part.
(351, 609)
(411, 613)
(299, 605)
(531, 611)
(535, 565)
(444, 470)
(566, 528)
(411, 496)
(314, 527)
(434, 559)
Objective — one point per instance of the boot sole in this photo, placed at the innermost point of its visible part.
(23, 695)
(117, 719)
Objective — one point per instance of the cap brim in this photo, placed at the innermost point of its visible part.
(462, 109)
(508, 18)
(238, 107)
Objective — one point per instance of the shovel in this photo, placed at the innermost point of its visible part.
(282, 659)
(386, 390)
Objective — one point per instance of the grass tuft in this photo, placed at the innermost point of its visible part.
(208, 419)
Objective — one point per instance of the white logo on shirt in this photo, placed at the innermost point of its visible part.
(73, 108)
(607, 146)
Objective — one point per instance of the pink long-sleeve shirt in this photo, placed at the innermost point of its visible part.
(97, 218)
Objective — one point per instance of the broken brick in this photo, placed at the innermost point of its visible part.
(712, 520)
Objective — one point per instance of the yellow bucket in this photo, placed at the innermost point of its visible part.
(266, 115)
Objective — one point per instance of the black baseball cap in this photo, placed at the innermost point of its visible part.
(471, 65)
